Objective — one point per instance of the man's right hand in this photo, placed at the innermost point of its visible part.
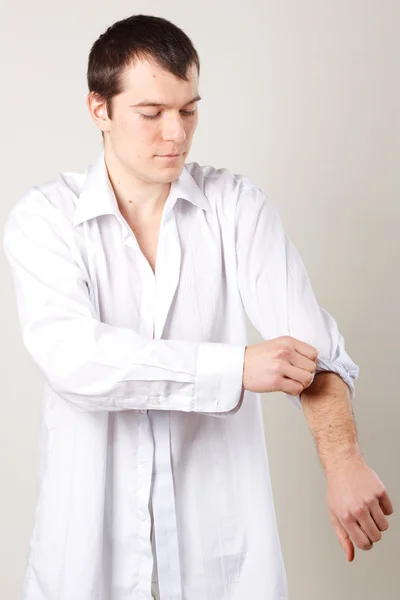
(280, 365)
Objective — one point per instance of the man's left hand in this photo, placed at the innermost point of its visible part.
(358, 504)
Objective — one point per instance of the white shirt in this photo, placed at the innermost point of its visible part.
(143, 396)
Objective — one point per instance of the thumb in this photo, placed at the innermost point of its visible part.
(343, 537)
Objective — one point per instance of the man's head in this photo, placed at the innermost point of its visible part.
(145, 59)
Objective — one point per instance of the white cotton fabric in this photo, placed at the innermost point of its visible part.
(145, 421)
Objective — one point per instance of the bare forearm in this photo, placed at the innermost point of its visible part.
(327, 407)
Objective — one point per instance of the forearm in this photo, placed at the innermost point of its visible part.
(327, 407)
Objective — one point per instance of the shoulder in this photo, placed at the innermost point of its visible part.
(222, 187)
(55, 197)
(45, 208)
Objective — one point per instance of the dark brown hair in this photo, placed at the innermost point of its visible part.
(137, 37)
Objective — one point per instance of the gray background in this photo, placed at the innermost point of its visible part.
(302, 97)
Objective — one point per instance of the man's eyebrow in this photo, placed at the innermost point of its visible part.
(151, 103)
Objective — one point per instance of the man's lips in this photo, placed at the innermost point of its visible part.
(168, 155)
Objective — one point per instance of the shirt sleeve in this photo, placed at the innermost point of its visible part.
(89, 363)
(276, 291)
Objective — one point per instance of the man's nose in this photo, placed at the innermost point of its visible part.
(174, 129)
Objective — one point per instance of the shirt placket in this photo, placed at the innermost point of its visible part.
(154, 432)
(164, 510)
(145, 438)
(145, 445)
(163, 497)
(144, 471)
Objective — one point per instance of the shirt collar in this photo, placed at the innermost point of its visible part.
(97, 196)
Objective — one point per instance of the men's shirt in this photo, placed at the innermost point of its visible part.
(145, 423)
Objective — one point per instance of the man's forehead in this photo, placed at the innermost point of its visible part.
(150, 85)
(150, 69)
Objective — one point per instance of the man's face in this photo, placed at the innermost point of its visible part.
(142, 137)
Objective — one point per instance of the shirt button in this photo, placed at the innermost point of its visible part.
(143, 463)
(142, 516)
(143, 411)
(155, 401)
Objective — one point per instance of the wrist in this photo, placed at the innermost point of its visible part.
(342, 459)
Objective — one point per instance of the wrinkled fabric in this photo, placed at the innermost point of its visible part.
(153, 460)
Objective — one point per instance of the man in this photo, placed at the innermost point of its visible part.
(132, 283)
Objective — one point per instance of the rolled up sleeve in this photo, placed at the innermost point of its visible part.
(276, 291)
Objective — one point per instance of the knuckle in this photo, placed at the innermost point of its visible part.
(370, 501)
(283, 352)
(277, 369)
(276, 382)
(381, 493)
(359, 511)
(346, 518)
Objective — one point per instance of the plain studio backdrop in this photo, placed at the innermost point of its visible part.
(303, 98)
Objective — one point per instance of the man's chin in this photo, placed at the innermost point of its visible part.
(168, 174)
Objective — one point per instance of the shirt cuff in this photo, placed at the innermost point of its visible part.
(219, 378)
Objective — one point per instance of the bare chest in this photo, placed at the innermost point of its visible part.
(147, 234)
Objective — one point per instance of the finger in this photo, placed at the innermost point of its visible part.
(302, 362)
(386, 503)
(358, 536)
(369, 527)
(305, 349)
(288, 386)
(378, 516)
(343, 537)
(299, 375)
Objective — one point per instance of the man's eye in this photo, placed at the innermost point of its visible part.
(185, 113)
(150, 116)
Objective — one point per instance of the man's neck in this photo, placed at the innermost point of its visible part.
(136, 198)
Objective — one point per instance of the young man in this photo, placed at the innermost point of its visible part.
(132, 283)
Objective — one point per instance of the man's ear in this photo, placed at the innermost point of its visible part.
(97, 107)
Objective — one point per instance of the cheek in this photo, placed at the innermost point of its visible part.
(147, 130)
(126, 130)
(134, 125)
(191, 128)
(140, 134)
